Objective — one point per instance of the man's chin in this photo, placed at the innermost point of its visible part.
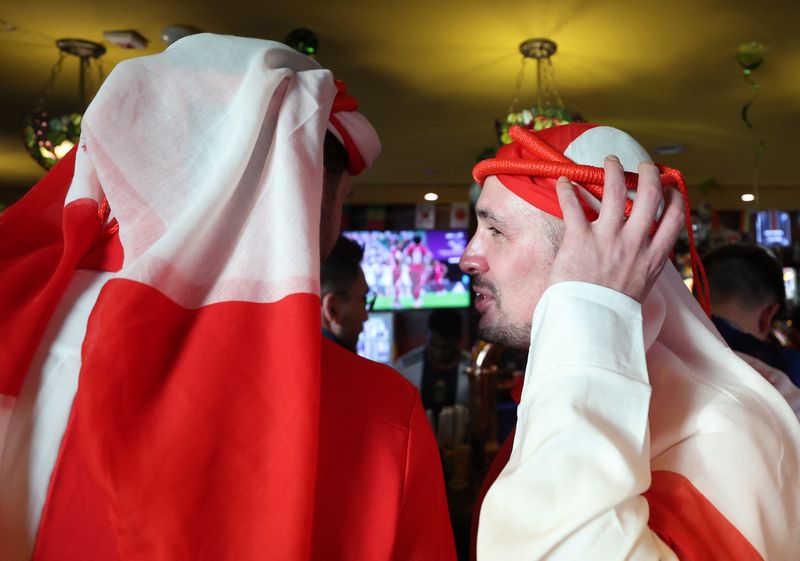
(509, 336)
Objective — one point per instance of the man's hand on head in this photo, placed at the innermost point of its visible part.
(611, 251)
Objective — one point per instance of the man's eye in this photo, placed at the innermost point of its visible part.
(495, 231)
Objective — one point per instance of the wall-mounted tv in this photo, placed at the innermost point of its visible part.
(773, 227)
(410, 269)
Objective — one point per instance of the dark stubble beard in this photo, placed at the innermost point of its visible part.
(512, 336)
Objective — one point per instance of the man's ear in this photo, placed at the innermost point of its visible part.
(766, 317)
(330, 308)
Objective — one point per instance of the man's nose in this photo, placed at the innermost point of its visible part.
(472, 261)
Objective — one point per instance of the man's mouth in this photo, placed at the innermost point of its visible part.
(484, 295)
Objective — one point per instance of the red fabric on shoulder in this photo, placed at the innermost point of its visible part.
(693, 527)
(177, 425)
(107, 255)
(41, 243)
(380, 485)
(76, 522)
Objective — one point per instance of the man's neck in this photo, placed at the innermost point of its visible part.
(745, 321)
(329, 335)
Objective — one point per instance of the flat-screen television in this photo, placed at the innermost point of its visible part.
(376, 341)
(410, 269)
(773, 227)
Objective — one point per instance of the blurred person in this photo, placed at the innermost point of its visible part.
(344, 294)
(628, 390)
(389, 502)
(747, 297)
(439, 367)
(417, 257)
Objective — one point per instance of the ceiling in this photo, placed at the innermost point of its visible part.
(433, 76)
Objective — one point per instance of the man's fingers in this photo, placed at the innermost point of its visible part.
(612, 210)
(648, 198)
(570, 207)
(672, 222)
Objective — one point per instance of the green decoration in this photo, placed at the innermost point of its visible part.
(750, 55)
(48, 139)
(548, 110)
(303, 40)
(536, 118)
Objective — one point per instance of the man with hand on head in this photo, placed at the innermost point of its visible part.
(640, 435)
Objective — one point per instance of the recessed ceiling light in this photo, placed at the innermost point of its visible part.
(748, 197)
(669, 148)
(126, 38)
(431, 196)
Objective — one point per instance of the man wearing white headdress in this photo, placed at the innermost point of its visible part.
(161, 388)
(640, 434)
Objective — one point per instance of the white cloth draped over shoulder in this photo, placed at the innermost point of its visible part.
(629, 398)
(640, 434)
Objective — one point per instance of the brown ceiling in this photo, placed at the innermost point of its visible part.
(433, 76)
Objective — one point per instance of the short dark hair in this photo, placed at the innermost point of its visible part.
(334, 156)
(341, 267)
(446, 322)
(746, 273)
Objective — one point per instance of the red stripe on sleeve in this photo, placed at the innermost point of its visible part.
(689, 524)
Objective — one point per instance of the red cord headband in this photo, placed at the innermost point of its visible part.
(538, 159)
(346, 102)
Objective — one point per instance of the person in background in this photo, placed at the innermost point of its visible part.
(747, 296)
(417, 258)
(439, 367)
(639, 434)
(380, 485)
(344, 294)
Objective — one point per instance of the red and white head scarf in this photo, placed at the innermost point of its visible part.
(166, 277)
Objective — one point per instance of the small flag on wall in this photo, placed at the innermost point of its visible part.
(459, 215)
(376, 217)
(425, 217)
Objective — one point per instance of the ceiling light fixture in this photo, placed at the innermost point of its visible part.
(431, 197)
(748, 197)
(48, 139)
(126, 38)
(549, 109)
(171, 33)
